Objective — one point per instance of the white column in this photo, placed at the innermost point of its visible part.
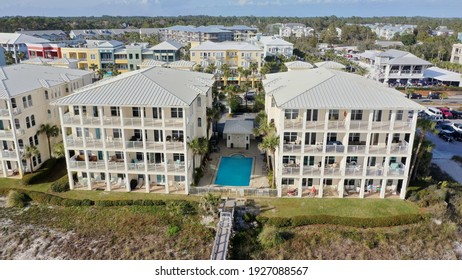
(299, 193)
(341, 187)
(5, 170)
(383, 188)
(146, 181)
(321, 186)
(71, 180)
(361, 190)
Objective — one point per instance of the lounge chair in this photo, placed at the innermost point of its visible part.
(140, 183)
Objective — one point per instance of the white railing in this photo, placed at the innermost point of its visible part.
(332, 171)
(116, 143)
(91, 121)
(134, 144)
(96, 165)
(74, 142)
(296, 123)
(354, 170)
(68, 119)
(152, 145)
(132, 121)
(152, 122)
(335, 149)
(174, 122)
(400, 148)
(396, 171)
(176, 167)
(315, 124)
(399, 125)
(112, 165)
(291, 148)
(4, 113)
(336, 124)
(373, 149)
(94, 143)
(311, 170)
(159, 167)
(136, 166)
(359, 125)
(111, 121)
(291, 170)
(175, 145)
(380, 125)
(6, 134)
(77, 164)
(9, 154)
(357, 149)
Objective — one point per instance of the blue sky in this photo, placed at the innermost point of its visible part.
(301, 8)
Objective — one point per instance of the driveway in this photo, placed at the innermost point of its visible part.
(442, 154)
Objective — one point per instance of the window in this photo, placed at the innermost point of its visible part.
(34, 161)
(31, 141)
(308, 182)
(157, 113)
(331, 136)
(39, 158)
(27, 122)
(308, 161)
(354, 138)
(399, 115)
(288, 181)
(176, 112)
(288, 159)
(291, 114)
(199, 101)
(78, 131)
(13, 103)
(273, 102)
(333, 115)
(312, 115)
(115, 112)
(395, 138)
(310, 138)
(76, 111)
(117, 133)
(130, 56)
(356, 115)
(137, 134)
(36, 140)
(329, 160)
(119, 155)
(377, 116)
(179, 157)
(92, 56)
(32, 120)
(29, 100)
(137, 56)
(199, 122)
(136, 111)
(328, 182)
(177, 134)
(17, 124)
(49, 114)
(46, 95)
(290, 137)
(24, 102)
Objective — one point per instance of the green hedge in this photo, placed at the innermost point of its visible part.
(346, 221)
(60, 185)
(43, 173)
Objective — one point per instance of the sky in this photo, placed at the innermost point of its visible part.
(299, 8)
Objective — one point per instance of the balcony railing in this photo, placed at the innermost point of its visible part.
(77, 164)
(175, 145)
(4, 113)
(6, 134)
(176, 167)
(380, 125)
(115, 143)
(315, 125)
(292, 148)
(311, 171)
(377, 149)
(91, 121)
(295, 123)
(152, 122)
(336, 124)
(157, 167)
(111, 121)
(313, 148)
(174, 122)
(152, 145)
(68, 119)
(134, 144)
(291, 170)
(399, 125)
(332, 171)
(396, 170)
(9, 154)
(357, 149)
(400, 148)
(335, 148)
(354, 171)
(132, 121)
(359, 125)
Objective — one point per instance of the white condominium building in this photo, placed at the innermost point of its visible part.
(27, 91)
(131, 132)
(340, 134)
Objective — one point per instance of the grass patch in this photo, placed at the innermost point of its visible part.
(359, 208)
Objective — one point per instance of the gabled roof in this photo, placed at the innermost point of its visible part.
(298, 65)
(331, 89)
(13, 38)
(21, 78)
(408, 59)
(154, 86)
(224, 46)
(442, 75)
(63, 61)
(152, 63)
(329, 65)
(275, 41)
(37, 60)
(167, 45)
(181, 64)
(110, 44)
(238, 127)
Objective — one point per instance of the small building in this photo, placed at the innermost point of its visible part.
(2, 57)
(298, 65)
(446, 77)
(238, 133)
(167, 51)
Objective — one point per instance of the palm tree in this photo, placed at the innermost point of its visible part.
(198, 146)
(424, 126)
(29, 153)
(58, 150)
(211, 68)
(20, 56)
(270, 143)
(50, 131)
(93, 67)
(198, 68)
(226, 73)
(213, 114)
(101, 73)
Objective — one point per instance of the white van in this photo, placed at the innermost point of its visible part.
(434, 113)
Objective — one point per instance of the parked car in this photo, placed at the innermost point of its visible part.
(456, 135)
(456, 114)
(434, 95)
(414, 95)
(457, 127)
(446, 128)
(446, 136)
(445, 112)
(250, 95)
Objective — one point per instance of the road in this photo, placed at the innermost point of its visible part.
(442, 154)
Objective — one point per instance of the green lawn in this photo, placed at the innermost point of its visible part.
(361, 208)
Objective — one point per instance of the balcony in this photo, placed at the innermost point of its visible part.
(176, 167)
(292, 148)
(335, 148)
(9, 154)
(111, 121)
(152, 145)
(68, 119)
(396, 169)
(357, 149)
(380, 125)
(332, 171)
(400, 125)
(359, 125)
(132, 122)
(6, 134)
(400, 148)
(374, 170)
(311, 171)
(134, 144)
(336, 125)
(174, 122)
(156, 167)
(293, 124)
(91, 121)
(354, 170)
(377, 149)
(153, 122)
(313, 148)
(4, 113)
(315, 125)
(291, 169)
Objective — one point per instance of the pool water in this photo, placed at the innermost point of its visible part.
(234, 171)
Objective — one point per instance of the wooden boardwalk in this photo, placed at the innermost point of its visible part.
(224, 231)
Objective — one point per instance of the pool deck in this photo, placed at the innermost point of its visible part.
(258, 177)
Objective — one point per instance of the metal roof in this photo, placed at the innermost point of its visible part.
(167, 45)
(332, 89)
(298, 65)
(238, 127)
(151, 63)
(181, 64)
(442, 75)
(225, 46)
(21, 78)
(329, 65)
(155, 86)
(14, 38)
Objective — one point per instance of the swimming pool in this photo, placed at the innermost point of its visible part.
(234, 171)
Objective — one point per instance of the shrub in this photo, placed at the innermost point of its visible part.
(61, 185)
(172, 230)
(270, 237)
(16, 199)
(181, 207)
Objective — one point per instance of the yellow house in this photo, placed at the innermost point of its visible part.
(85, 56)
